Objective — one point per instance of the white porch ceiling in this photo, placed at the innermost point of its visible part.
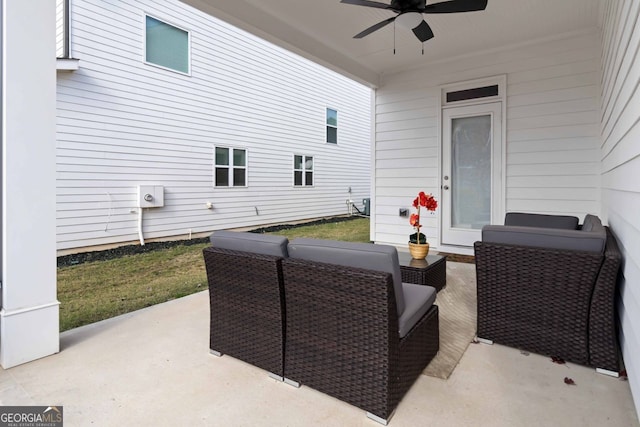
(323, 30)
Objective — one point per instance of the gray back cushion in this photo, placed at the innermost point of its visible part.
(592, 223)
(360, 255)
(548, 238)
(265, 244)
(543, 221)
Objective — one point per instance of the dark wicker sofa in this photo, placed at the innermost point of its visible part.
(246, 296)
(353, 329)
(550, 290)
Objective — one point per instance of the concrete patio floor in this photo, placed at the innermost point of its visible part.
(153, 368)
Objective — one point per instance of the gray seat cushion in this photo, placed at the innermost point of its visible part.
(543, 221)
(360, 255)
(418, 300)
(265, 244)
(549, 238)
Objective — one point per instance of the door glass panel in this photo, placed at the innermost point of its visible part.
(471, 172)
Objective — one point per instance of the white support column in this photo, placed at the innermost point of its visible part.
(29, 327)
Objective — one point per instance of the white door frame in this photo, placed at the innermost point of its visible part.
(498, 155)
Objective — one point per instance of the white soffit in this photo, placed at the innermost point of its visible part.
(323, 30)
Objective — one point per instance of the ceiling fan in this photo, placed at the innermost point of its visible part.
(410, 13)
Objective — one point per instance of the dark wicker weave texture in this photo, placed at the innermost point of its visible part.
(434, 275)
(603, 333)
(342, 335)
(553, 302)
(247, 306)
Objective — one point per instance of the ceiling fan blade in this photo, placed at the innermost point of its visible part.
(453, 6)
(374, 28)
(367, 3)
(423, 32)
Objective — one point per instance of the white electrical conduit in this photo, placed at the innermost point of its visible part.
(140, 227)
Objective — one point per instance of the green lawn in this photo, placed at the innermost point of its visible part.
(99, 290)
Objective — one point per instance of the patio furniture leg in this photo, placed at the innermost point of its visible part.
(378, 419)
(291, 382)
(608, 372)
(215, 353)
(484, 341)
(276, 376)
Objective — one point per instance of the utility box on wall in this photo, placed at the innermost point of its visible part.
(150, 196)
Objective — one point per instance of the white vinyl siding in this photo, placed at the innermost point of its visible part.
(122, 123)
(620, 157)
(551, 141)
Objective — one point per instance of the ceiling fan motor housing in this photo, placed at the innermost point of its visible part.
(408, 5)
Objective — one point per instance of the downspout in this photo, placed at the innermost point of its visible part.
(140, 227)
(67, 29)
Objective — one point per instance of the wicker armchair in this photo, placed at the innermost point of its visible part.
(557, 302)
(244, 271)
(343, 333)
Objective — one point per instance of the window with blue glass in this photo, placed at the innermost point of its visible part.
(166, 46)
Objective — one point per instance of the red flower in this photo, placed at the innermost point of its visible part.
(423, 200)
(431, 203)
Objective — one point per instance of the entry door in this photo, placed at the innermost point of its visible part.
(471, 171)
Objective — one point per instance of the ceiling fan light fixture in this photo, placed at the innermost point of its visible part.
(409, 20)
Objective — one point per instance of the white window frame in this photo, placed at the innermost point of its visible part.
(144, 42)
(231, 167)
(304, 171)
(327, 125)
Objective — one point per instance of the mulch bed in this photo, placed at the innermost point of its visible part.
(107, 254)
(75, 259)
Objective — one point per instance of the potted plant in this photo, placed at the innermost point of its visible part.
(418, 245)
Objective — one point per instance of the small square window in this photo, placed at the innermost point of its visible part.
(227, 174)
(166, 45)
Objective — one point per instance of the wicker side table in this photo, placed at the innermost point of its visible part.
(431, 272)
